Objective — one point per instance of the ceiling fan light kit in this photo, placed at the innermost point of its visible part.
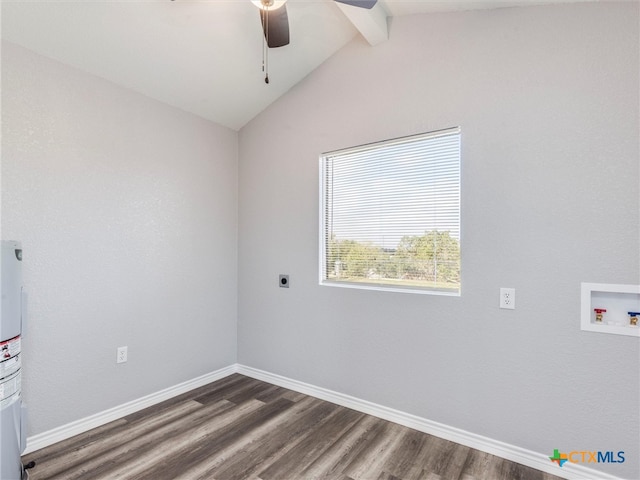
(268, 4)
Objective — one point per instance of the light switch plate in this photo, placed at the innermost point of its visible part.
(121, 356)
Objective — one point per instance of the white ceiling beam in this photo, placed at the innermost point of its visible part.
(372, 24)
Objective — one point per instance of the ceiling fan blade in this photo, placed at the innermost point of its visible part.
(275, 25)
(368, 4)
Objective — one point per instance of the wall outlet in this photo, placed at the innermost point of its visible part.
(508, 298)
(121, 355)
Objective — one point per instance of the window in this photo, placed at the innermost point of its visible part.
(390, 215)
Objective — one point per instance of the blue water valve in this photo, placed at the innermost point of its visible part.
(633, 318)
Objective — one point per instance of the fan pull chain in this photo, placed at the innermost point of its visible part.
(265, 45)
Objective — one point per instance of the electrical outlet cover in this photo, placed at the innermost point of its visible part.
(508, 298)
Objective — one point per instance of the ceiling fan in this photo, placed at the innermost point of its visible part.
(275, 22)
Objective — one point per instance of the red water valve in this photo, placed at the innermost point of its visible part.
(599, 312)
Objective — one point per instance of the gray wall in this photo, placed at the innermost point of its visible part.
(547, 98)
(127, 210)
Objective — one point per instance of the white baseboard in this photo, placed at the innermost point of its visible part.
(36, 442)
(539, 461)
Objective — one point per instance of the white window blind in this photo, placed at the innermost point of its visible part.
(390, 214)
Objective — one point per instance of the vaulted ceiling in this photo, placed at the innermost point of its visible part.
(205, 57)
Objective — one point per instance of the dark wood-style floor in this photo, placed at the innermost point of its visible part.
(241, 428)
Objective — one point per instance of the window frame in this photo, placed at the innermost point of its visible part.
(323, 224)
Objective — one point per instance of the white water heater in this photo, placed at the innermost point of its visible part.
(12, 411)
